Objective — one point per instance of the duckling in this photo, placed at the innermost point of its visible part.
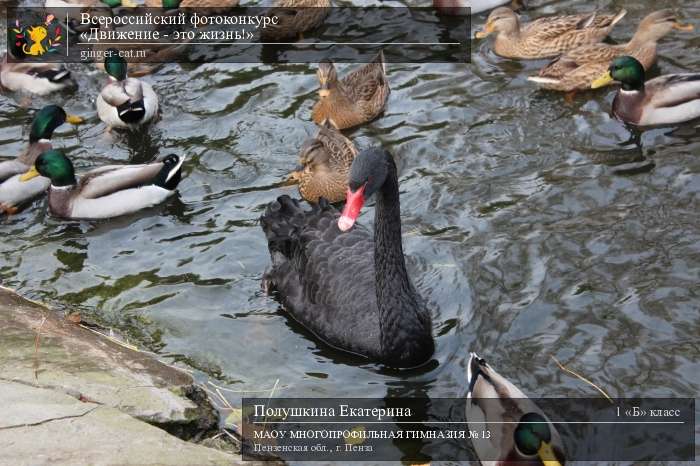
(575, 69)
(13, 191)
(491, 402)
(324, 164)
(545, 37)
(295, 17)
(125, 102)
(666, 100)
(31, 77)
(108, 191)
(359, 97)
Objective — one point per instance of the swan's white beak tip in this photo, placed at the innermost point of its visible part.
(345, 223)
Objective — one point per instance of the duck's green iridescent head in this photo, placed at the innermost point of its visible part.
(170, 4)
(533, 438)
(47, 120)
(118, 3)
(115, 65)
(626, 70)
(53, 165)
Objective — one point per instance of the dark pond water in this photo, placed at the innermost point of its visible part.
(532, 226)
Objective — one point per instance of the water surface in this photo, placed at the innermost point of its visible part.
(532, 226)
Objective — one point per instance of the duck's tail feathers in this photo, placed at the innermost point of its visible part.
(541, 80)
(588, 22)
(55, 76)
(171, 173)
(618, 17)
(473, 371)
(379, 59)
(131, 112)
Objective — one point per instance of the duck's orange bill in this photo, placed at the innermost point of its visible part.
(353, 204)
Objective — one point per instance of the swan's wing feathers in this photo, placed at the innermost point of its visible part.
(325, 277)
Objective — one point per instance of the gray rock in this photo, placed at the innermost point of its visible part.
(78, 398)
(49, 427)
(88, 366)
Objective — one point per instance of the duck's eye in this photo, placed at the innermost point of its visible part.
(532, 430)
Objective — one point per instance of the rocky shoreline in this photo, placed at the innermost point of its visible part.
(72, 396)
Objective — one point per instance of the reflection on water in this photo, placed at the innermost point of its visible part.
(533, 227)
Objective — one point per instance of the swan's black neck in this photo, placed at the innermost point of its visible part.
(404, 323)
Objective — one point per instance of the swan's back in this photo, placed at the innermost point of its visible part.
(323, 277)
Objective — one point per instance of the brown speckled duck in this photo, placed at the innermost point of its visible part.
(324, 164)
(576, 69)
(545, 37)
(295, 17)
(359, 97)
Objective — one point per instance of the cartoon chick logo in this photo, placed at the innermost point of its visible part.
(36, 40)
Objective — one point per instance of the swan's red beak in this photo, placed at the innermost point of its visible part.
(353, 204)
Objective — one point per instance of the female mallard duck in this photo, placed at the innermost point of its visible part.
(496, 405)
(13, 191)
(666, 100)
(324, 165)
(545, 37)
(125, 102)
(108, 191)
(31, 77)
(359, 97)
(578, 67)
(295, 17)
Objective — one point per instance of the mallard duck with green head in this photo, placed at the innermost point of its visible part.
(31, 77)
(125, 102)
(358, 98)
(520, 431)
(666, 100)
(14, 191)
(108, 191)
(577, 68)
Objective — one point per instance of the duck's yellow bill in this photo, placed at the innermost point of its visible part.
(32, 173)
(602, 81)
(546, 454)
(683, 27)
(74, 119)
(488, 29)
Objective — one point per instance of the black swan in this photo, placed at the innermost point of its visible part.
(350, 289)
